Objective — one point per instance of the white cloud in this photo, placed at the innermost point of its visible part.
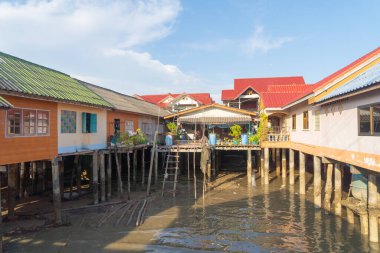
(97, 40)
(261, 42)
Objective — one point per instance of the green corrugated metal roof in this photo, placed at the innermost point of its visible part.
(20, 76)
(4, 104)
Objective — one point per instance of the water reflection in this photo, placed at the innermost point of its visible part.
(263, 218)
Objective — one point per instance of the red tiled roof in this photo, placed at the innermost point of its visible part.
(327, 80)
(259, 85)
(203, 98)
(346, 69)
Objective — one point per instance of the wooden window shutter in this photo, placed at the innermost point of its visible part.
(84, 122)
(93, 123)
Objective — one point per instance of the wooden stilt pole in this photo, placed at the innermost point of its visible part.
(61, 166)
(102, 177)
(283, 162)
(302, 161)
(317, 182)
(118, 169)
(338, 190)
(291, 166)
(95, 177)
(73, 170)
(249, 167)
(109, 175)
(129, 174)
(195, 177)
(56, 190)
(134, 168)
(143, 167)
(278, 162)
(22, 181)
(79, 176)
(12, 172)
(34, 177)
(266, 165)
(153, 158)
(156, 167)
(262, 165)
(188, 166)
(328, 188)
(43, 176)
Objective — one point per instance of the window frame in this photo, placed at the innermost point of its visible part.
(307, 122)
(22, 133)
(294, 122)
(23, 122)
(371, 120)
(131, 125)
(317, 114)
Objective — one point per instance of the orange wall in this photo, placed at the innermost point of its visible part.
(123, 116)
(25, 149)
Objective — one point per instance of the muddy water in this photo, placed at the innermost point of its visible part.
(261, 219)
(231, 217)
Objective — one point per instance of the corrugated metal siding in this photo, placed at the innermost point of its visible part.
(17, 75)
(4, 104)
(365, 79)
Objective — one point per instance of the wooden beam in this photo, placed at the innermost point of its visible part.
(278, 162)
(317, 182)
(249, 167)
(302, 161)
(56, 190)
(328, 187)
(95, 177)
(291, 166)
(266, 166)
(283, 163)
(338, 189)
(102, 174)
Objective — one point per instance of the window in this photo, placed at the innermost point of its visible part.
(89, 122)
(317, 120)
(68, 122)
(294, 122)
(147, 128)
(305, 120)
(29, 122)
(14, 121)
(42, 122)
(369, 120)
(129, 126)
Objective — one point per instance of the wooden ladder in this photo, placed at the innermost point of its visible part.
(171, 172)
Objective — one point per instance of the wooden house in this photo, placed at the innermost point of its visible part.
(130, 113)
(178, 102)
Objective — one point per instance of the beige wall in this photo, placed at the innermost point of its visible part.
(338, 125)
(72, 142)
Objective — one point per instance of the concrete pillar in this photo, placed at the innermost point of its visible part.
(22, 181)
(102, 177)
(249, 167)
(109, 175)
(372, 190)
(95, 178)
(56, 190)
(317, 182)
(262, 165)
(283, 163)
(12, 172)
(338, 190)
(278, 162)
(373, 227)
(328, 188)
(302, 160)
(61, 167)
(364, 223)
(291, 166)
(266, 165)
(350, 216)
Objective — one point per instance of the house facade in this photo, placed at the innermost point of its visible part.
(47, 115)
(130, 113)
(178, 102)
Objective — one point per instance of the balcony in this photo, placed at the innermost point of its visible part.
(277, 134)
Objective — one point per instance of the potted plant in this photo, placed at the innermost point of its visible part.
(235, 132)
(173, 131)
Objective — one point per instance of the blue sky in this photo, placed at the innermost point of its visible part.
(159, 46)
